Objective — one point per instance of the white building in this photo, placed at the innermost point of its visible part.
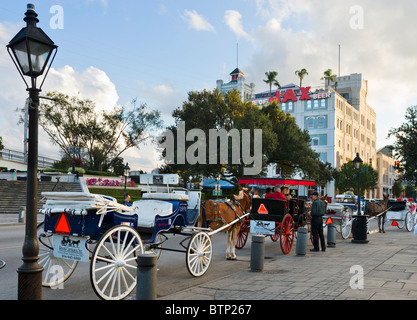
(340, 123)
(238, 82)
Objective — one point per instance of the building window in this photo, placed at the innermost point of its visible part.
(310, 123)
(321, 122)
(316, 104)
(290, 107)
(316, 142)
(323, 103)
(308, 104)
(283, 106)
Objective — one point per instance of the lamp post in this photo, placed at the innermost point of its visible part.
(31, 50)
(126, 174)
(357, 162)
(359, 225)
(74, 151)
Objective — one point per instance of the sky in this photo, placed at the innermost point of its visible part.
(157, 51)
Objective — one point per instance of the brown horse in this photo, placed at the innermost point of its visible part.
(216, 214)
(373, 209)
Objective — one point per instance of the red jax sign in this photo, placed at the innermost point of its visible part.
(290, 96)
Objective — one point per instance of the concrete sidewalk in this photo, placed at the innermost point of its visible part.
(388, 262)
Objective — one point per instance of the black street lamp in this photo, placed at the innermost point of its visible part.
(126, 174)
(74, 151)
(357, 162)
(31, 50)
(359, 225)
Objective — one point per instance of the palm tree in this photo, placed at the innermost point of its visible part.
(329, 76)
(301, 73)
(271, 80)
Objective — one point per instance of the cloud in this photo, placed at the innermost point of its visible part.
(91, 83)
(163, 97)
(233, 20)
(197, 21)
(305, 34)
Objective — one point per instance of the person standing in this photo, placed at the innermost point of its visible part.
(318, 210)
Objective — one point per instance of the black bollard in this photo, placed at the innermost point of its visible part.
(257, 253)
(146, 277)
(302, 235)
(359, 229)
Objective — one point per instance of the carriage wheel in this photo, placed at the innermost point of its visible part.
(409, 222)
(199, 254)
(242, 236)
(113, 266)
(55, 270)
(287, 234)
(400, 224)
(156, 250)
(275, 237)
(346, 225)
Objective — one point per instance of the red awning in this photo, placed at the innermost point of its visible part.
(276, 182)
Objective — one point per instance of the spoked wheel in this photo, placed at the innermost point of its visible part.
(55, 270)
(409, 222)
(243, 234)
(113, 266)
(287, 234)
(199, 254)
(400, 224)
(275, 237)
(346, 225)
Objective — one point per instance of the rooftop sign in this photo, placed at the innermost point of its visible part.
(289, 95)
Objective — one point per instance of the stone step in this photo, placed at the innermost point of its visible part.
(13, 193)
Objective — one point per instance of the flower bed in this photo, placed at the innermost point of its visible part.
(100, 182)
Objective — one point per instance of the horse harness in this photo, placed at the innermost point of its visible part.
(217, 215)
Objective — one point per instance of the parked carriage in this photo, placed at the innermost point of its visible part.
(275, 218)
(83, 227)
(402, 213)
(341, 216)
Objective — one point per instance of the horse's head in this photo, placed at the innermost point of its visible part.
(244, 198)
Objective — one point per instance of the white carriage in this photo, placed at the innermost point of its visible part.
(402, 213)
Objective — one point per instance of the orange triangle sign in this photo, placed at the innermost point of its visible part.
(329, 221)
(62, 226)
(262, 209)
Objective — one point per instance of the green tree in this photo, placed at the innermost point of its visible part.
(271, 80)
(347, 178)
(101, 136)
(1, 143)
(405, 146)
(207, 110)
(329, 76)
(301, 74)
(397, 188)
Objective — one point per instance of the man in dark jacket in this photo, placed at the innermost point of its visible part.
(318, 209)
